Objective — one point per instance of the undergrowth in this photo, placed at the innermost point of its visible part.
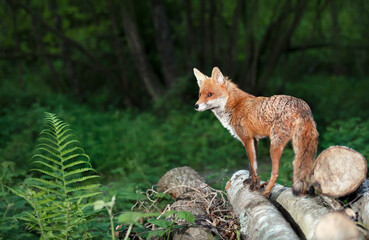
(61, 185)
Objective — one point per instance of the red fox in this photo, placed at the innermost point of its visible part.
(249, 118)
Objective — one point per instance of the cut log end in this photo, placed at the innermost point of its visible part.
(339, 171)
(336, 225)
(178, 181)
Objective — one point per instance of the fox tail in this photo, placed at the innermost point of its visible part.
(304, 141)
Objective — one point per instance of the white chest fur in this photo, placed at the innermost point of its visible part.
(224, 117)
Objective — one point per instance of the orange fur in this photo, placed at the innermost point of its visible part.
(281, 118)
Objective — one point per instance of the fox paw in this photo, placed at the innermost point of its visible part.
(253, 185)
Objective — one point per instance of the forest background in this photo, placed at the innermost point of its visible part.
(120, 73)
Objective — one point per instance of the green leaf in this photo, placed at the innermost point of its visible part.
(131, 218)
(99, 205)
(187, 216)
(167, 214)
(158, 233)
(160, 222)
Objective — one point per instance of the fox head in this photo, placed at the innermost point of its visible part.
(213, 92)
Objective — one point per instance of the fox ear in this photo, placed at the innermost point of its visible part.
(217, 75)
(199, 76)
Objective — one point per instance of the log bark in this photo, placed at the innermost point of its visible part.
(312, 214)
(308, 215)
(258, 217)
(339, 171)
(361, 206)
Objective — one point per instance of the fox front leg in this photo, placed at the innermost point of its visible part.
(250, 147)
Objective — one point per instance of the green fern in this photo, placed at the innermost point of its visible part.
(59, 193)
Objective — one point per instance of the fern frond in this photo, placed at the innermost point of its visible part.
(55, 154)
(60, 126)
(63, 138)
(63, 147)
(76, 155)
(56, 169)
(82, 179)
(71, 150)
(59, 195)
(47, 189)
(80, 170)
(50, 134)
(48, 159)
(48, 173)
(83, 188)
(50, 148)
(72, 164)
(48, 183)
(45, 139)
(86, 195)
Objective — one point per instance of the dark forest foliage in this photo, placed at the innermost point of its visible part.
(120, 73)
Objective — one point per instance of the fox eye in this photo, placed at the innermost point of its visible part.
(210, 94)
(199, 94)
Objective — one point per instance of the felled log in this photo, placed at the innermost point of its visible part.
(326, 229)
(361, 206)
(192, 194)
(338, 171)
(180, 180)
(313, 215)
(259, 219)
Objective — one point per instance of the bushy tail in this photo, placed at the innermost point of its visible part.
(305, 141)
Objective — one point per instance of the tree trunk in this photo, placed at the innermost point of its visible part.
(42, 51)
(233, 40)
(65, 49)
(190, 43)
(258, 217)
(281, 44)
(204, 35)
(17, 46)
(119, 54)
(143, 65)
(339, 171)
(164, 42)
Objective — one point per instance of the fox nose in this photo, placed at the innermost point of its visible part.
(196, 106)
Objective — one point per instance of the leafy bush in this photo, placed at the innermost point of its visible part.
(352, 133)
(332, 98)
